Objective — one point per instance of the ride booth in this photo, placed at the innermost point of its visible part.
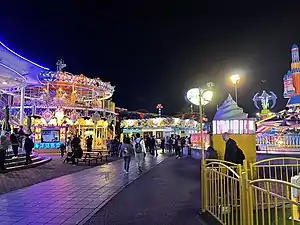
(49, 137)
(195, 145)
(231, 118)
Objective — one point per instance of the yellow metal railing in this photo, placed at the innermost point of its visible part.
(260, 195)
(282, 168)
(222, 191)
(266, 207)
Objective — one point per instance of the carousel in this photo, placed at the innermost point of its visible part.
(160, 126)
(54, 105)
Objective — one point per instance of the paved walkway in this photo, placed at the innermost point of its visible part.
(23, 178)
(70, 199)
(169, 194)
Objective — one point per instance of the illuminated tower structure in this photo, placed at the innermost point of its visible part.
(295, 67)
(291, 79)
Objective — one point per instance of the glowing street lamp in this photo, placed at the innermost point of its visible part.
(193, 96)
(201, 97)
(235, 79)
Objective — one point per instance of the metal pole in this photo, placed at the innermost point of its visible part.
(22, 106)
(202, 149)
(236, 94)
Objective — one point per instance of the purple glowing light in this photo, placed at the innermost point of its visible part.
(23, 57)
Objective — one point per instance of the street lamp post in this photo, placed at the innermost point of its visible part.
(235, 79)
(201, 97)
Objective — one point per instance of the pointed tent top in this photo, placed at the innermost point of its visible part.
(230, 110)
(229, 98)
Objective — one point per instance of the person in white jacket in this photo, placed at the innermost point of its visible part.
(139, 150)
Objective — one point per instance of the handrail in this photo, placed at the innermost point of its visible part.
(273, 159)
(225, 166)
(274, 181)
(221, 161)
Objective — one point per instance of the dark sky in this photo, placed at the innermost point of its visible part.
(154, 51)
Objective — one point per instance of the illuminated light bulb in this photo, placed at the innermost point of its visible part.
(235, 79)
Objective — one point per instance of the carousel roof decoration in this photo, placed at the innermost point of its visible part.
(158, 122)
(229, 110)
(137, 115)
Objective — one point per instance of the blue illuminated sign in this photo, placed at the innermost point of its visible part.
(47, 145)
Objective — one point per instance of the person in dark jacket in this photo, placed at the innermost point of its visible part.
(211, 153)
(4, 145)
(152, 144)
(182, 144)
(177, 146)
(162, 145)
(89, 143)
(232, 152)
(14, 140)
(28, 146)
(21, 135)
(77, 154)
(75, 143)
(62, 149)
(231, 148)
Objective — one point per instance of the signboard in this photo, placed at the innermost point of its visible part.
(195, 139)
(234, 126)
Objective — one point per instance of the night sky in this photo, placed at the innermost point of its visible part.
(154, 51)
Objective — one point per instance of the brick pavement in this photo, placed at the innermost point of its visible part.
(69, 199)
(23, 178)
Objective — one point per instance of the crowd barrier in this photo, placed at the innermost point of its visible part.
(260, 193)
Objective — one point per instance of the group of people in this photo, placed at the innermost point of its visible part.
(175, 143)
(133, 147)
(137, 146)
(18, 139)
(74, 149)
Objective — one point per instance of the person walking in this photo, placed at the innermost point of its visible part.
(177, 146)
(162, 145)
(21, 135)
(126, 151)
(28, 146)
(139, 149)
(182, 144)
(173, 144)
(151, 145)
(154, 143)
(14, 140)
(62, 149)
(4, 145)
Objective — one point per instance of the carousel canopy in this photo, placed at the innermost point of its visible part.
(16, 70)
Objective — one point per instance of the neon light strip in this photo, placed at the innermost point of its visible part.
(23, 57)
